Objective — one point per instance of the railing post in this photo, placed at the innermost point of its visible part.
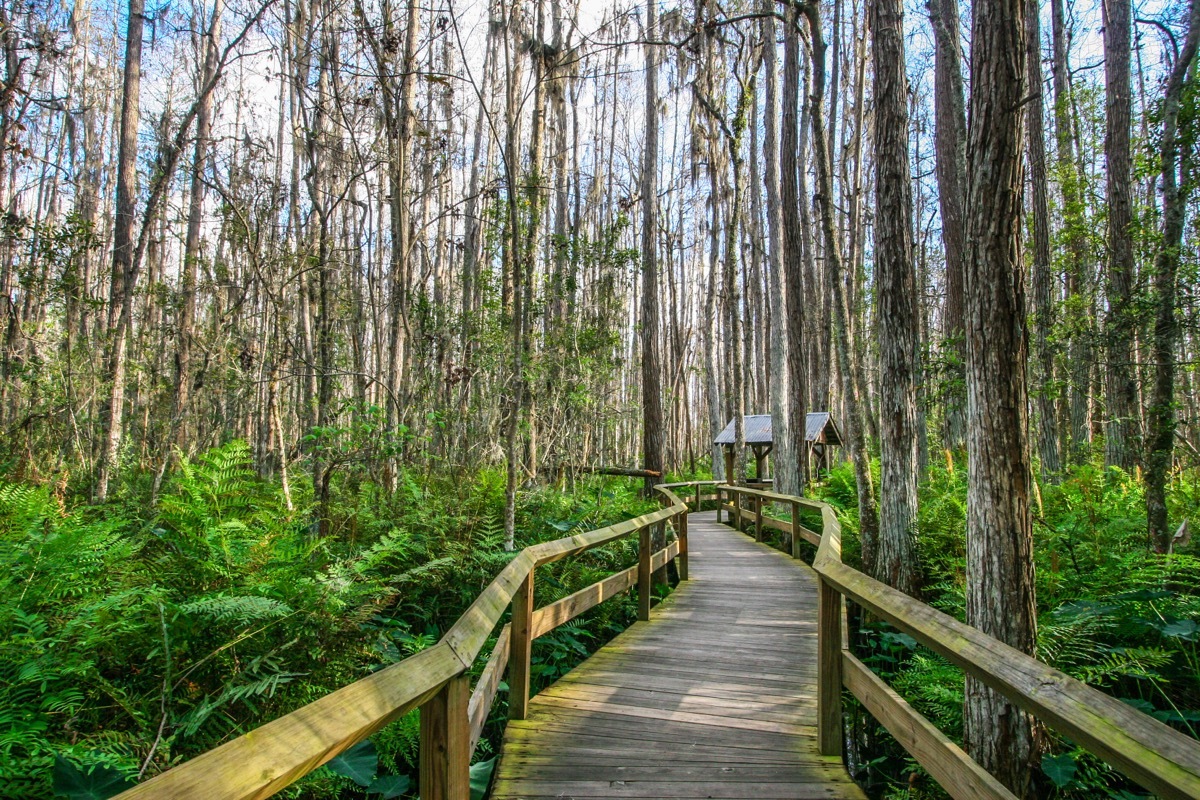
(682, 533)
(720, 502)
(829, 670)
(644, 574)
(737, 510)
(758, 518)
(519, 649)
(795, 529)
(660, 540)
(446, 743)
(698, 487)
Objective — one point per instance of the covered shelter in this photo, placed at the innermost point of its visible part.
(821, 435)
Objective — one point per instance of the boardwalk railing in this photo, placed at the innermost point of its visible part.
(1149, 752)
(436, 680)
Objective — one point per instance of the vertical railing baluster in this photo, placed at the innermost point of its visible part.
(445, 755)
(683, 546)
(795, 529)
(644, 573)
(758, 512)
(829, 669)
(520, 649)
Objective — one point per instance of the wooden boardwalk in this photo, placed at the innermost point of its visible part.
(713, 698)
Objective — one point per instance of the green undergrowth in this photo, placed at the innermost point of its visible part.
(132, 639)
(1111, 613)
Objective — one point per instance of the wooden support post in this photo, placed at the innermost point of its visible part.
(520, 647)
(445, 760)
(683, 547)
(758, 511)
(644, 574)
(698, 487)
(720, 503)
(829, 670)
(737, 511)
(659, 541)
(795, 529)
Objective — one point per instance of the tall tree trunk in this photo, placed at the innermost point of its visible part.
(1079, 353)
(896, 289)
(191, 248)
(1043, 280)
(1176, 153)
(121, 288)
(1121, 436)
(783, 456)
(652, 419)
(868, 513)
(1000, 584)
(401, 261)
(514, 396)
(950, 155)
(794, 255)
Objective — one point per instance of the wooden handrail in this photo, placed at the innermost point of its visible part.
(1158, 757)
(277, 754)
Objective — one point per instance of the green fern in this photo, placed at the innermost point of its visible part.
(237, 609)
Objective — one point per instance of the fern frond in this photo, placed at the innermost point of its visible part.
(236, 609)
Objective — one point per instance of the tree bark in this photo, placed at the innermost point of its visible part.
(1176, 154)
(1121, 435)
(652, 415)
(896, 289)
(1043, 280)
(191, 247)
(950, 156)
(1078, 308)
(784, 458)
(794, 254)
(1000, 580)
(121, 288)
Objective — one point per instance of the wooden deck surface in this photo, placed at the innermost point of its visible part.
(713, 698)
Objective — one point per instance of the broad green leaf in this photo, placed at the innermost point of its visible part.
(1059, 769)
(1180, 629)
(481, 776)
(389, 786)
(100, 783)
(359, 763)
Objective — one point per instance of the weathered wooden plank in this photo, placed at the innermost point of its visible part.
(484, 693)
(644, 573)
(549, 617)
(267, 759)
(469, 633)
(445, 755)
(954, 770)
(669, 789)
(775, 497)
(521, 631)
(617, 699)
(775, 773)
(829, 678)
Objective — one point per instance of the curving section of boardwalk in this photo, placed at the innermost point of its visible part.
(713, 698)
